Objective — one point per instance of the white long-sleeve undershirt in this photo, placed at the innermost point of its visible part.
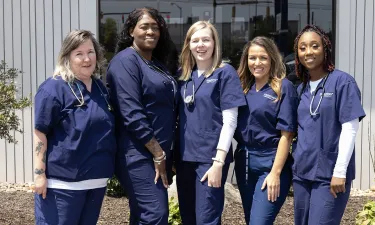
(346, 147)
(229, 126)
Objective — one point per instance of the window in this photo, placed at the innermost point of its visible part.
(236, 21)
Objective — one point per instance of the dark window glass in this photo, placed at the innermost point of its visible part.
(236, 21)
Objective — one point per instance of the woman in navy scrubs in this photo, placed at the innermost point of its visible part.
(266, 126)
(210, 94)
(74, 136)
(144, 94)
(329, 113)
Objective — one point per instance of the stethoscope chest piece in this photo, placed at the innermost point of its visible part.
(189, 99)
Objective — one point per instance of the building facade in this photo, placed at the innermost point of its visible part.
(32, 32)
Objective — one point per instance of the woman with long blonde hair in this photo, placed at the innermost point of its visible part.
(265, 130)
(210, 94)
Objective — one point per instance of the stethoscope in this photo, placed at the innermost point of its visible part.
(159, 71)
(314, 112)
(82, 100)
(189, 100)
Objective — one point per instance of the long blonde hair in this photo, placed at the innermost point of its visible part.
(72, 41)
(187, 60)
(277, 70)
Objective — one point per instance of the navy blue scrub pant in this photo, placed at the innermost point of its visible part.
(148, 201)
(69, 207)
(252, 167)
(199, 204)
(314, 203)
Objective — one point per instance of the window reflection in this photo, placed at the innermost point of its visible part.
(237, 21)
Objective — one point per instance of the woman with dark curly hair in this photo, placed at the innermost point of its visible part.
(144, 96)
(329, 113)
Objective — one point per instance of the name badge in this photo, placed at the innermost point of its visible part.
(327, 95)
(270, 97)
(212, 80)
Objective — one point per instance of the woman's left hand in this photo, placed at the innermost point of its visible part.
(337, 186)
(272, 182)
(214, 175)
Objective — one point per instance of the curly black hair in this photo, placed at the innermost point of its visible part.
(165, 50)
(328, 64)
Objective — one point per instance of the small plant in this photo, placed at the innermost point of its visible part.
(367, 215)
(174, 213)
(9, 103)
(114, 188)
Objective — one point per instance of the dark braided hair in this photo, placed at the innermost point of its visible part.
(328, 65)
(165, 50)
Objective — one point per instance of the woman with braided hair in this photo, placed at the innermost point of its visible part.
(329, 113)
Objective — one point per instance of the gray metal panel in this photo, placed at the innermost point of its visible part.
(65, 16)
(40, 41)
(26, 88)
(57, 28)
(33, 59)
(3, 161)
(8, 48)
(74, 12)
(49, 38)
(372, 113)
(17, 55)
(367, 90)
(88, 15)
(359, 64)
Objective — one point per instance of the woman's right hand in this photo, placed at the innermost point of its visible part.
(41, 185)
(161, 172)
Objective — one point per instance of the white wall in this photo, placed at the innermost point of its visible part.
(355, 54)
(30, 38)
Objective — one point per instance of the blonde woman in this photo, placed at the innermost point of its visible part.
(74, 136)
(265, 130)
(211, 94)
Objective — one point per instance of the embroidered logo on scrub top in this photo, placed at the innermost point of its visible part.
(212, 80)
(270, 97)
(327, 95)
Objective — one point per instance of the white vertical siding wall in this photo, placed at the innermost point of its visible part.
(355, 53)
(31, 33)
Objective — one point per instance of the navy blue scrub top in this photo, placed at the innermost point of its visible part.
(200, 123)
(81, 142)
(144, 101)
(261, 121)
(318, 136)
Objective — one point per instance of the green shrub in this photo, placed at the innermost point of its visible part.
(9, 102)
(114, 188)
(174, 213)
(367, 215)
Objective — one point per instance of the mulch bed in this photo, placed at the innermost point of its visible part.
(17, 208)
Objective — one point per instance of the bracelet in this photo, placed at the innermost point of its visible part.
(160, 159)
(219, 161)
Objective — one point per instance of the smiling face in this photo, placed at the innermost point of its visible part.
(259, 62)
(83, 60)
(202, 45)
(146, 33)
(311, 51)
